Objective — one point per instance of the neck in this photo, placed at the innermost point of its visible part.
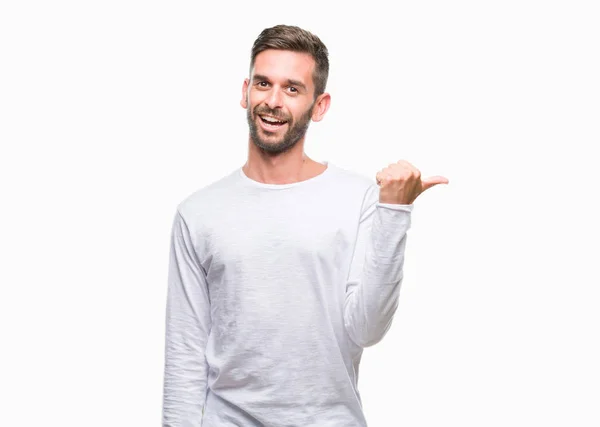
(283, 168)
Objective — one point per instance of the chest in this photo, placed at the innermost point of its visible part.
(276, 238)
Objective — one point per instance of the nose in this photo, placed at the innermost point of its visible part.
(275, 99)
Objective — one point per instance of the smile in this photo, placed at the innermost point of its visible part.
(269, 123)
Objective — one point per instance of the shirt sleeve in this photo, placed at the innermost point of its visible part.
(376, 271)
(187, 327)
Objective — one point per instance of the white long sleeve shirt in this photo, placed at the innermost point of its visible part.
(274, 290)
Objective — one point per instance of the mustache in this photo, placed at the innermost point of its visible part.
(274, 113)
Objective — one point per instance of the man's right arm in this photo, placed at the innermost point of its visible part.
(188, 324)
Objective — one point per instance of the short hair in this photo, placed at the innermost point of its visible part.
(289, 37)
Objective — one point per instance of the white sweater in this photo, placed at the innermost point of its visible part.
(273, 292)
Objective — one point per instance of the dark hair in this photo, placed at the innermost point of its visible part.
(289, 37)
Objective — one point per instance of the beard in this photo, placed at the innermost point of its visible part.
(295, 132)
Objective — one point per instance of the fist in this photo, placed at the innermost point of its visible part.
(401, 183)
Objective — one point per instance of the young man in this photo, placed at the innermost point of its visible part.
(283, 271)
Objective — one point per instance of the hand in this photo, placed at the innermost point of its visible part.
(401, 183)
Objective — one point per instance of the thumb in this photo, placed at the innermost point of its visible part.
(429, 182)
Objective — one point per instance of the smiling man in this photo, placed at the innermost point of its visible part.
(285, 92)
(285, 269)
(279, 107)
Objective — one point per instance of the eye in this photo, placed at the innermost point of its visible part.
(263, 84)
(293, 89)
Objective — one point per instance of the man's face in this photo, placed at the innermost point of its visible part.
(279, 99)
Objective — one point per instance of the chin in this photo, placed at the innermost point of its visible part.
(270, 138)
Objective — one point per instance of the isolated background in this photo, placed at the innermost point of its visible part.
(112, 112)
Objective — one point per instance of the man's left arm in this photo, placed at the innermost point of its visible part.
(376, 272)
(373, 286)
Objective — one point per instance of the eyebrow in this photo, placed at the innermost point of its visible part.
(290, 81)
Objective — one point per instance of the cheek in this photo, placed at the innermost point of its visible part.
(302, 112)
(250, 99)
(298, 110)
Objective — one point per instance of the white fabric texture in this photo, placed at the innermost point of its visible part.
(273, 293)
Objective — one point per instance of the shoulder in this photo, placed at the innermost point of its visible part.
(207, 199)
(356, 185)
(351, 176)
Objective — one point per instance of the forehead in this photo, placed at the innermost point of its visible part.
(284, 65)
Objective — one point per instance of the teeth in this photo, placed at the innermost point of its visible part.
(271, 119)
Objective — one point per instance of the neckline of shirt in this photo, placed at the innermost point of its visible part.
(317, 178)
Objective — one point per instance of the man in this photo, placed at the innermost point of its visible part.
(283, 271)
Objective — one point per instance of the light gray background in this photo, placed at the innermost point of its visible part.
(112, 112)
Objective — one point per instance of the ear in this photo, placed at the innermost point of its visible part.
(244, 101)
(321, 107)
